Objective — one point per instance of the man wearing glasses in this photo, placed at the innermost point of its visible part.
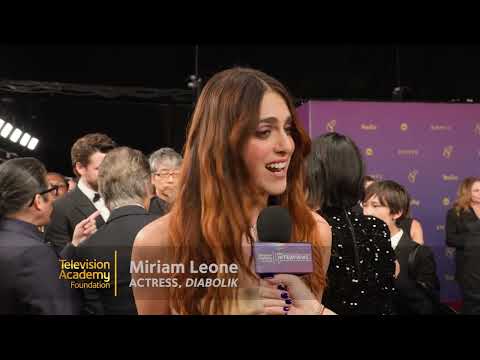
(57, 180)
(165, 167)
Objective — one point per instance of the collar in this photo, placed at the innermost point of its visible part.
(19, 226)
(127, 210)
(396, 238)
(86, 190)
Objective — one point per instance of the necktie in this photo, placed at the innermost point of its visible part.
(96, 197)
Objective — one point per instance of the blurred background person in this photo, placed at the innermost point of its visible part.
(165, 167)
(124, 183)
(29, 269)
(56, 179)
(418, 288)
(461, 225)
(87, 154)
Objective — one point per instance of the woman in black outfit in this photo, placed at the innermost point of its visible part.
(360, 277)
(463, 234)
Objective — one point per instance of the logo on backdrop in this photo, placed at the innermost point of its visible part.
(368, 127)
(412, 176)
(447, 151)
(331, 125)
(446, 201)
(440, 127)
(414, 202)
(449, 277)
(449, 252)
(369, 151)
(450, 177)
(477, 129)
(440, 227)
(404, 126)
(407, 152)
(377, 177)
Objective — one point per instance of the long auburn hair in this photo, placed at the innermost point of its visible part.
(464, 194)
(216, 196)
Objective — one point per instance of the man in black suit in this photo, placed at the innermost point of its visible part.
(124, 183)
(165, 167)
(30, 278)
(417, 284)
(87, 154)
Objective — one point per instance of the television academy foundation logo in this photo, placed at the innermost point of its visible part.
(369, 151)
(446, 201)
(404, 126)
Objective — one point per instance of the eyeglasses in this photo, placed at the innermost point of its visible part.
(166, 175)
(53, 188)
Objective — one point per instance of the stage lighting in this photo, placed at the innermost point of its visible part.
(25, 138)
(16, 135)
(32, 144)
(6, 130)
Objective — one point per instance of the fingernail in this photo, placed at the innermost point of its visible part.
(281, 287)
(284, 295)
(288, 302)
(286, 308)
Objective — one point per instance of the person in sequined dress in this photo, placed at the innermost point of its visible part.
(360, 277)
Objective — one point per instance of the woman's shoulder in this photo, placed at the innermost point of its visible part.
(155, 233)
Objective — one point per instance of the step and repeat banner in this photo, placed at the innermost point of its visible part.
(427, 147)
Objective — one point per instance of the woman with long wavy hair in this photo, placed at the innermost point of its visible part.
(461, 222)
(244, 145)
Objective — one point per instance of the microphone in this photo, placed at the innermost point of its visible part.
(273, 252)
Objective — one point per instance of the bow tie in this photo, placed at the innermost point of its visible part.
(96, 197)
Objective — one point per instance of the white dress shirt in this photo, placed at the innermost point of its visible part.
(90, 194)
(396, 238)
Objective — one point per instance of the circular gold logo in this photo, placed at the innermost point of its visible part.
(446, 201)
(404, 126)
(369, 151)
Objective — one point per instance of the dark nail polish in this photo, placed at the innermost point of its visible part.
(284, 295)
(281, 287)
(286, 308)
(288, 302)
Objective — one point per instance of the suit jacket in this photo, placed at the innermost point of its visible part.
(118, 234)
(411, 298)
(29, 274)
(471, 270)
(68, 211)
(457, 228)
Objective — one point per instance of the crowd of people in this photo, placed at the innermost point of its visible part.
(245, 150)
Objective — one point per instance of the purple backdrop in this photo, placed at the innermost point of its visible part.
(427, 147)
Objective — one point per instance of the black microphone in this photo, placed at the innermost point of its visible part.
(274, 253)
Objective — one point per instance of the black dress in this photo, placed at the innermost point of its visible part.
(360, 278)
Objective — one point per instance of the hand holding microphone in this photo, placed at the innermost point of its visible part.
(285, 293)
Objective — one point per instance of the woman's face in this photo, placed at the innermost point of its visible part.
(267, 153)
(476, 193)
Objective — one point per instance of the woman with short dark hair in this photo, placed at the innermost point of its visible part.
(362, 265)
